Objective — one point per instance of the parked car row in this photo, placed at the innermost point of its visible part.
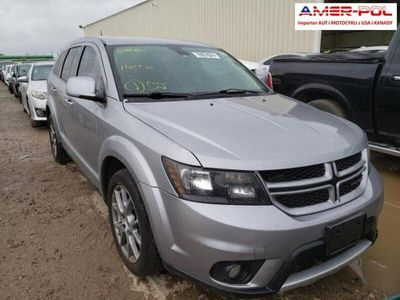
(27, 81)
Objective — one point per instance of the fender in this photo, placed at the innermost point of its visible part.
(308, 89)
(133, 159)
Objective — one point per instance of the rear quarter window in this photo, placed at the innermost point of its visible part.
(71, 63)
(59, 63)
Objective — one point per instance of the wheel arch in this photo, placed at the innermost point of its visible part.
(310, 92)
(54, 117)
(117, 153)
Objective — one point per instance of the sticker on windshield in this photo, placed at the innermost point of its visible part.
(205, 55)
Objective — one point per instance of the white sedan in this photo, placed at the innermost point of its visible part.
(33, 89)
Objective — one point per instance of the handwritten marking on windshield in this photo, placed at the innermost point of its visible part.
(140, 86)
(129, 50)
(136, 66)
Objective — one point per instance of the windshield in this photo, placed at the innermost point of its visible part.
(23, 69)
(41, 72)
(176, 69)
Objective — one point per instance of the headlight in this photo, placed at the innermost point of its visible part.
(38, 95)
(215, 186)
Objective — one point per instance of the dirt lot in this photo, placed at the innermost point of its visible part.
(55, 238)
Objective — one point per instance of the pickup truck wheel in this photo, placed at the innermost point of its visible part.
(130, 226)
(329, 106)
(58, 151)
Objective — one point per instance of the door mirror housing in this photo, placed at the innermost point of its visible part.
(22, 79)
(83, 87)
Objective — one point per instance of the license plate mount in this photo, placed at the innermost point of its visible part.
(344, 234)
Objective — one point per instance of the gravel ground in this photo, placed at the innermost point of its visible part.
(55, 240)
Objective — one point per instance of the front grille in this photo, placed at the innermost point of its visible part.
(350, 185)
(286, 175)
(317, 184)
(303, 199)
(347, 162)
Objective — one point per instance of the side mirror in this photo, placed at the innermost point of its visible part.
(22, 79)
(14, 75)
(83, 87)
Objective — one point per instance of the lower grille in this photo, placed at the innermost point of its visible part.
(303, 199)
(350, 185)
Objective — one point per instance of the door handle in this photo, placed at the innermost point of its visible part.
(396, 77)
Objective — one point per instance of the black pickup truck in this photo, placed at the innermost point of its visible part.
(360, 86)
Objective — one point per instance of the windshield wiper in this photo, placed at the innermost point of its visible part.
(230, 91)
(238, 91)
(158, 95)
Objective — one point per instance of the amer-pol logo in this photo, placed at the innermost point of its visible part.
(346, 16)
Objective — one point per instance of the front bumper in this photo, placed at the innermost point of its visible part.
(35, 105)
(192, 237)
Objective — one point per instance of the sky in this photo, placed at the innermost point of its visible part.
(46, 26)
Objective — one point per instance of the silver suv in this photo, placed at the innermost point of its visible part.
(207, 172)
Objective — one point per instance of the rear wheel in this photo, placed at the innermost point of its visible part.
(58, 151)
(329, 106)
(130, 226)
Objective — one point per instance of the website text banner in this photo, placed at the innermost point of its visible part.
(346, 16)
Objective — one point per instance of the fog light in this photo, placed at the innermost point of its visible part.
(40, 113)
(235, 272)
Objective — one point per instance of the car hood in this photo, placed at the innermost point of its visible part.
(252, 133)
(38, 85)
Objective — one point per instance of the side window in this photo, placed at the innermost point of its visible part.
(90, 67)
(59, 63)
(71, 63)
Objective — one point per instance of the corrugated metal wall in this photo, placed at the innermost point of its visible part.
(249, 29)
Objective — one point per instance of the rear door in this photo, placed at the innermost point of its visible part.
(387, 100)
(64, 103)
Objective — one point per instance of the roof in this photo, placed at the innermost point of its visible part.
(117, 13)
(115, 40)
(43, 63)
(339, 57)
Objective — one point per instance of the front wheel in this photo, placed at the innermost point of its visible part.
(58, 151)
(130, 226)
(329, 106)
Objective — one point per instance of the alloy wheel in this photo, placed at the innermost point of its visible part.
(53, 139)
(126, 223)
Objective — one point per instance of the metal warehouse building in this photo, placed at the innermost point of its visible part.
(249, 29)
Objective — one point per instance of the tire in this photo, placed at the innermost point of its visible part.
(35, 124)
(146, 260)
(28, 107)
(58, 151)
(329, 106)
(10, 89)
